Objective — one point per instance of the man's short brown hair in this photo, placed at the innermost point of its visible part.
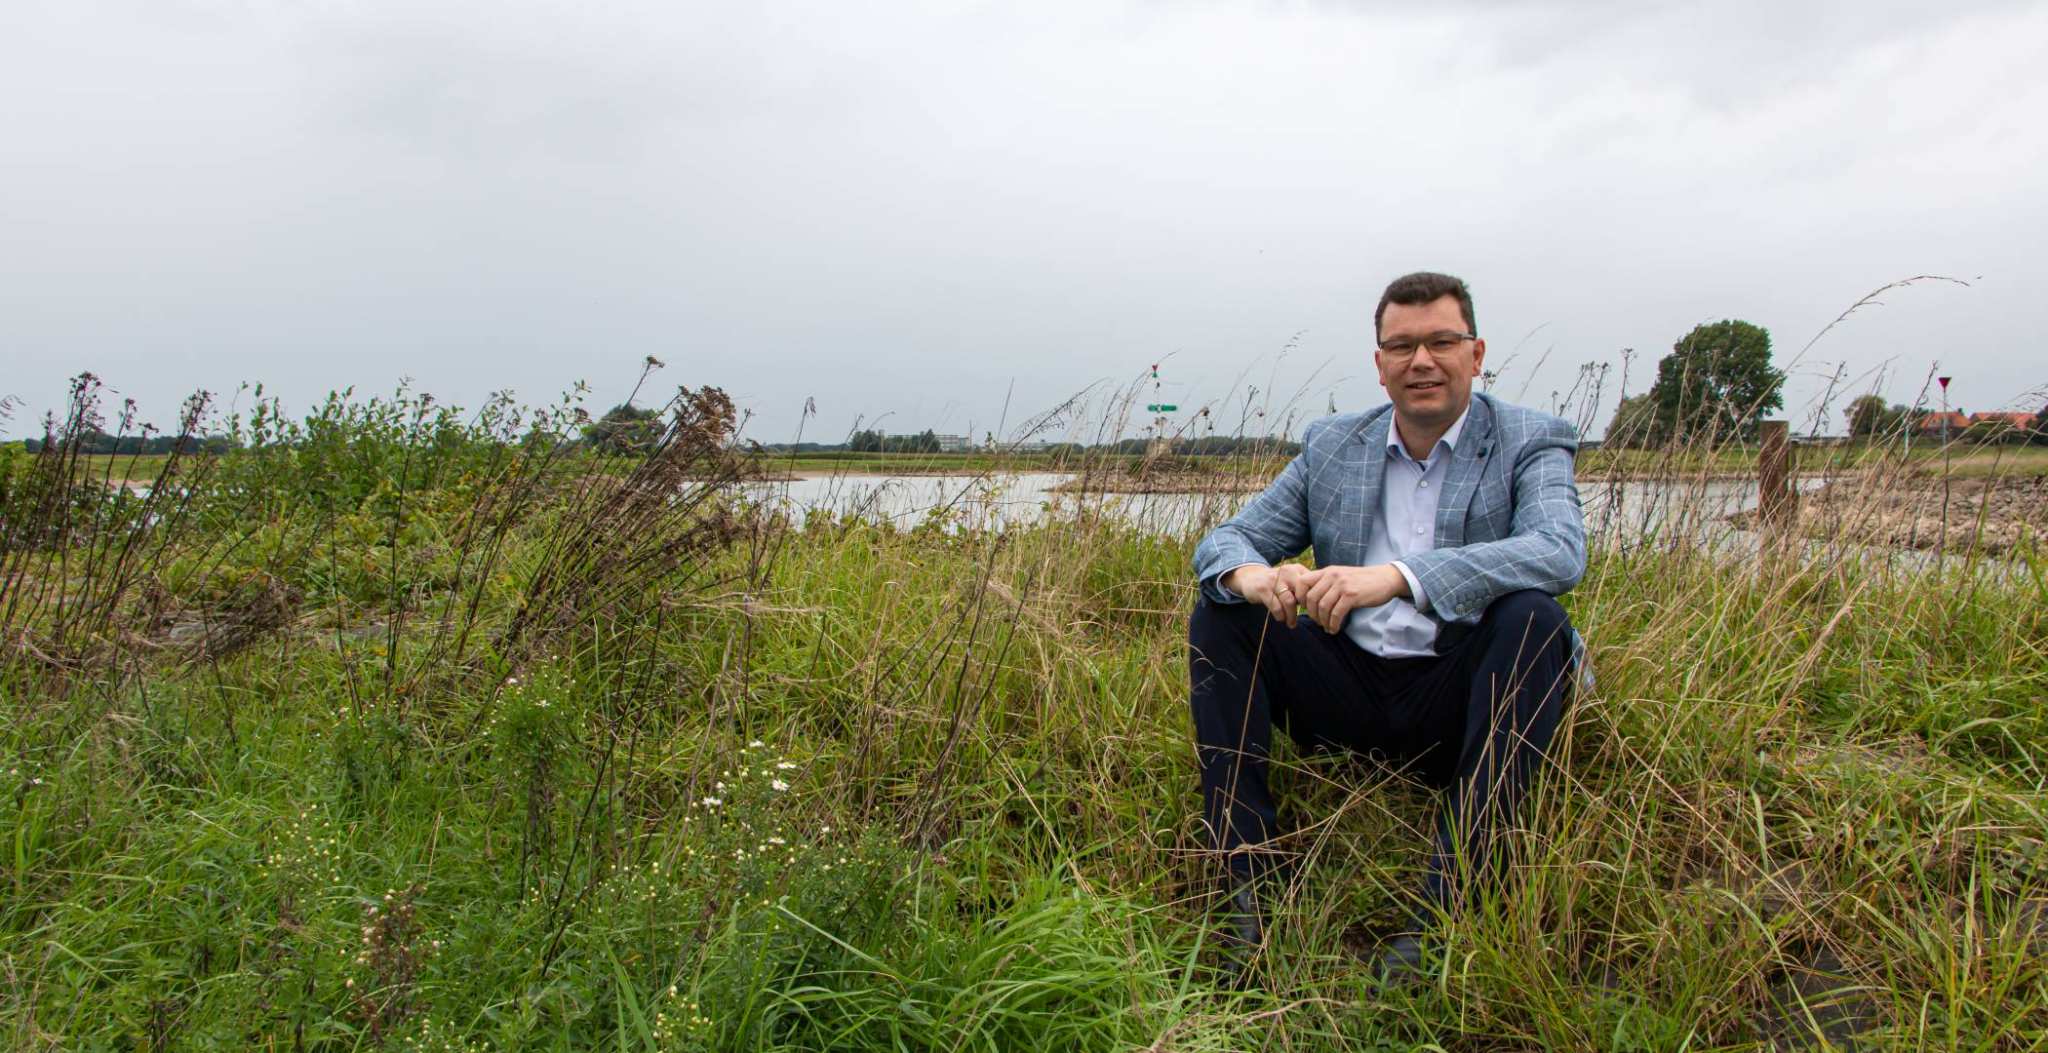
(1413, 290)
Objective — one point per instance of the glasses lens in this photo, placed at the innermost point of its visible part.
(1443, 343)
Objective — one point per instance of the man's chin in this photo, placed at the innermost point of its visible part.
(1431, 414)
(1425, 409)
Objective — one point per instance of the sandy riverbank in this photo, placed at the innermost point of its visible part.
(1215, 483)
(1990, 516)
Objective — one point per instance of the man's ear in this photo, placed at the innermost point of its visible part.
(1478, 355)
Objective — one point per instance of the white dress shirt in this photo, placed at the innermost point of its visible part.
(1405, 525)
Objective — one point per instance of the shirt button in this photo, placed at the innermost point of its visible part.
(1425, 484)
(1418, 530)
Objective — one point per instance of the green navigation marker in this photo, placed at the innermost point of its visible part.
(1160, 407)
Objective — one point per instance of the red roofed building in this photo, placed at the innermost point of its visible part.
(1930, 424)
(2004, 420)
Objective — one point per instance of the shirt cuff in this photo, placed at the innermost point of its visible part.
(1233, 570)
(1414, 587)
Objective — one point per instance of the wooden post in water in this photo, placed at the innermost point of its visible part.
(1776, 504)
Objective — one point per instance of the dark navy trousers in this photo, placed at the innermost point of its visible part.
(1474, 721)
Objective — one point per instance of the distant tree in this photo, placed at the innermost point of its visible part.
(1870, 417)
(1718, 381)
(625, 429)
(926, 441)
(1866, 416)
(865, 442)
(1635, 423)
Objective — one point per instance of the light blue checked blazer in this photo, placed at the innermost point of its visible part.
(1508, 518)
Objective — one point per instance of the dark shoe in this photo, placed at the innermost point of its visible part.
(1401, 961)
(1242, 932)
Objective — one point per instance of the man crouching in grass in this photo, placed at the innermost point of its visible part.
(1443, 525)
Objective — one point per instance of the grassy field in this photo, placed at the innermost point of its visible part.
(122, 467)
(365, 744)
(1983, 462)
(1925, 459)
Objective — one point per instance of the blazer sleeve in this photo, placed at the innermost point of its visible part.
(1271, 528)
(1546, 545)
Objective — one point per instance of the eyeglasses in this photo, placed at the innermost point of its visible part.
(1438, 344)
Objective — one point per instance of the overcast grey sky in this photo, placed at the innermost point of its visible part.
(902, 210)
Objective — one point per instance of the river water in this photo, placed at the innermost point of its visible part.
(1614, 511)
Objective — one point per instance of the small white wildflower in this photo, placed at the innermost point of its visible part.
(712, 802)
(756, 744)
(779, 785)
(786, 766)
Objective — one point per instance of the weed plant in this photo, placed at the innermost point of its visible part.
(401, 728)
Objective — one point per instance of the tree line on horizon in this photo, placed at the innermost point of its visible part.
(1717, 385)
(94, 441)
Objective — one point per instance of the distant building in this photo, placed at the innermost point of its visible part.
(953, 443)
(2005, 421)
(1931, 424)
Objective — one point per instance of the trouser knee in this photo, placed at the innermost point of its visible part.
(1528, 612)
(1212, 625)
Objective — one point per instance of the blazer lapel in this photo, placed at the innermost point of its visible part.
(1364, 460)
(1468, 462)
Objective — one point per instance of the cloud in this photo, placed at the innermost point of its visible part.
(549, 78)
(901, 208)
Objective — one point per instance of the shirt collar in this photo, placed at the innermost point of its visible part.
(1449, 440)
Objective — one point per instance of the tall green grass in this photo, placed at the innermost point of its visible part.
(407, 731)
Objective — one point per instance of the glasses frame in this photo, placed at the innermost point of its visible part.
(1403, 349)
